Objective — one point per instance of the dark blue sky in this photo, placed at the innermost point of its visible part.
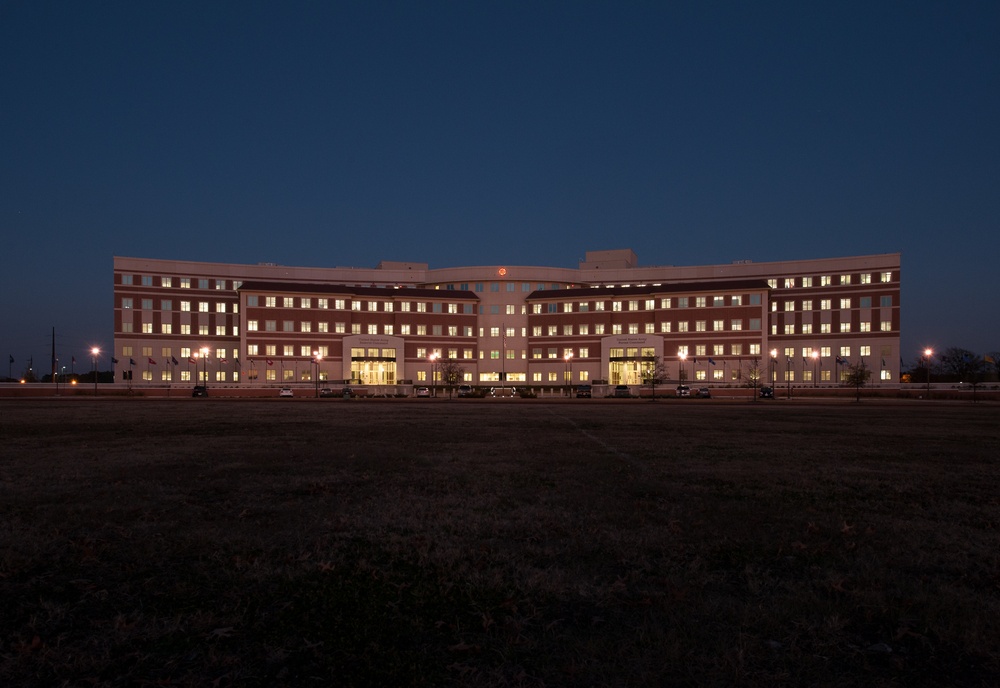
(467, 133)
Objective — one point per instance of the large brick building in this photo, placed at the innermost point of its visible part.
(609, 320)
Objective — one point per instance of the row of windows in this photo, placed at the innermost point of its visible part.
(827, 304)
(168, 328)
(480, 287)
(253, 301)
(830, 280)
(128, 303)
(361, 328)
(585, 329)
(645, 304)
(827, 328)
(182, 282)
(185, 352)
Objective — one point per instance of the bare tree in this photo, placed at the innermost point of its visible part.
(654, 371)
(752, 370)
(451, 373)
(961, 365)
(858, 376)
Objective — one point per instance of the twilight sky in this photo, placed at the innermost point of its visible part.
(485, 133)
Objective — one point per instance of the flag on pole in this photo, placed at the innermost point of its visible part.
(74, 360)
(114, 361)
(191, 359)
(11, 358)
(270, 362)
(131, 361)
(152, 362)
(883, 363)
(225, 361)
(711, 361)
(237, 362)
(173, 360)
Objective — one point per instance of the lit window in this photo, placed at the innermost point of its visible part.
(789, 328)
(665, 303)
(584, 329)
(700, 326)
(306, 302)
(807, 328)
(665, 327)
(616, 305)
(824, 304)
(807, 281)
(866, 326)
(682, 326)
(599, 328)
(305, 326)
(251, 325)
(633, 305)
(885, 326)
(288, 301)
(616, 329)
(773, 283)
(866, 278)
(699, 301)
(166, 328)
(718, 325)
(789, 305)
(825, 281)
(789, 283)
(845, 279)
(845, 303)
(650, 328)
(886, 276)
(824, 328)
(736, 300)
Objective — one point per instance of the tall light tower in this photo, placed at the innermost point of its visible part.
(927, 366)
(94, 352)
(433, 359)
(569, 372)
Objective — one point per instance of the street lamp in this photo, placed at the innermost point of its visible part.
(204, 366)
(774, 361)
(680, 367)
(433, 359)
(927, 366)
(569, 371)
(317, 357)
(93, 353)
(788, 375)
(815, 357)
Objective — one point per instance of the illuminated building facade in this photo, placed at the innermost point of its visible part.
(608, 321)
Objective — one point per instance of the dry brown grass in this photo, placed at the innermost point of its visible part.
(498, 543)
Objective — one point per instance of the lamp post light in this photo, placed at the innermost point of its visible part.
(317, 357)
(681, 357)
(204, 366)
(569, 372)
(815, 357)
(774, 361)
(93, 353)
(927, 366)
(433, 359)
(788, 375)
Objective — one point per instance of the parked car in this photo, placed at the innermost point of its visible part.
(683, 391)
(767, 393)
(285, 392)
(704, 393)
(422, 392)
(348, 393)
(623, 392)
(199, 391)
(584, 392)
(326, 392)
(465, 390)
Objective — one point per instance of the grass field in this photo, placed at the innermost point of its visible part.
(498, 543)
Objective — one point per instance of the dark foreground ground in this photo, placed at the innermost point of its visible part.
(289, 543)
